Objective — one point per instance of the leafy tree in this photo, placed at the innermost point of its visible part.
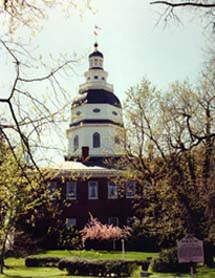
(26, 115)
(171, 141)
(19, 194)
(19, 13)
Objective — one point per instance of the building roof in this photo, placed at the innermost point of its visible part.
(96, 52)
(82, 168)
(96, 96)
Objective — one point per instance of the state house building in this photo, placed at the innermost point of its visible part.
(95, 135)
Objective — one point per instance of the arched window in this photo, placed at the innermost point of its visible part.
(96, 140)
(76, 143)
(117, 140)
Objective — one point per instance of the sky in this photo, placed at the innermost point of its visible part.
(133, 43)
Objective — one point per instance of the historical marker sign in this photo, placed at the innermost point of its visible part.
(190, 249)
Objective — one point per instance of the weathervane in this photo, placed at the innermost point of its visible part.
(96, 32)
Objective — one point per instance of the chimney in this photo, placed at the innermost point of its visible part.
(85, 153)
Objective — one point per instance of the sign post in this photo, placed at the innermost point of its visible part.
(190, 250)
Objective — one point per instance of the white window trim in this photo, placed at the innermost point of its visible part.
(75, 191)
(113, 217)
(70, 225)
(96, 144)
(76, 143)
(110, 184)
(90, 197)
(134, 190)
(52, 187)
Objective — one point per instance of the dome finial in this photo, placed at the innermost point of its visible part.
(96, 45)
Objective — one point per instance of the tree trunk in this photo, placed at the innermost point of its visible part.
(2, 256)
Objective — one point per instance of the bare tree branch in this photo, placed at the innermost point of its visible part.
(184, 4)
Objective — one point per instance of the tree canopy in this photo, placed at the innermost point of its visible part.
(171, 145)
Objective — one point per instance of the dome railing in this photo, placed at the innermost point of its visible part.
(95, 85)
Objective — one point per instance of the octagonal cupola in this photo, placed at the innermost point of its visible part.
(96, 58)
(96, 114)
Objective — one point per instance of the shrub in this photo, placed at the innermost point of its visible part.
(42, 262)
(98, 267)
(167, 262)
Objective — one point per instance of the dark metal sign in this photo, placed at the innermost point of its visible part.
(190, 249)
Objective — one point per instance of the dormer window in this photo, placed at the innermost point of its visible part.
(96, 140)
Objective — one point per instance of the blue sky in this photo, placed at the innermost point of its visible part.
(133, 45)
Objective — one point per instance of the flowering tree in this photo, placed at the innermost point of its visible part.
(96, 230)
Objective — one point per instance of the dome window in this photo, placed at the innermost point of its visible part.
(96, 140)
(78, 113)
(96, 77)
(114, 113)
(76, 143)
(96, 110)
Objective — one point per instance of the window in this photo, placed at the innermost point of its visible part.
(117, 140)
(76, 143)
(95, 77)
(112, 190)
(71, 190)
(130, 189)
(96, 110)
(130, 221)
(114, 113)
(78, 113)
(92, 190)
(52, 188)
(96, 140)
(113, 221)
(70, 222)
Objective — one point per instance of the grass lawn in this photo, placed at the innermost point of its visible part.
(96, 254)
(17, 267)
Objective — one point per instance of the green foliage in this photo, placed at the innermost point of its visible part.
(167, 262)
(171, 153)
(98, 267)
(20, 193)
(42, 262)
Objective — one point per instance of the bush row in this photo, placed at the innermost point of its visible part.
(102, 268)
(42, 262)
(167, 262)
